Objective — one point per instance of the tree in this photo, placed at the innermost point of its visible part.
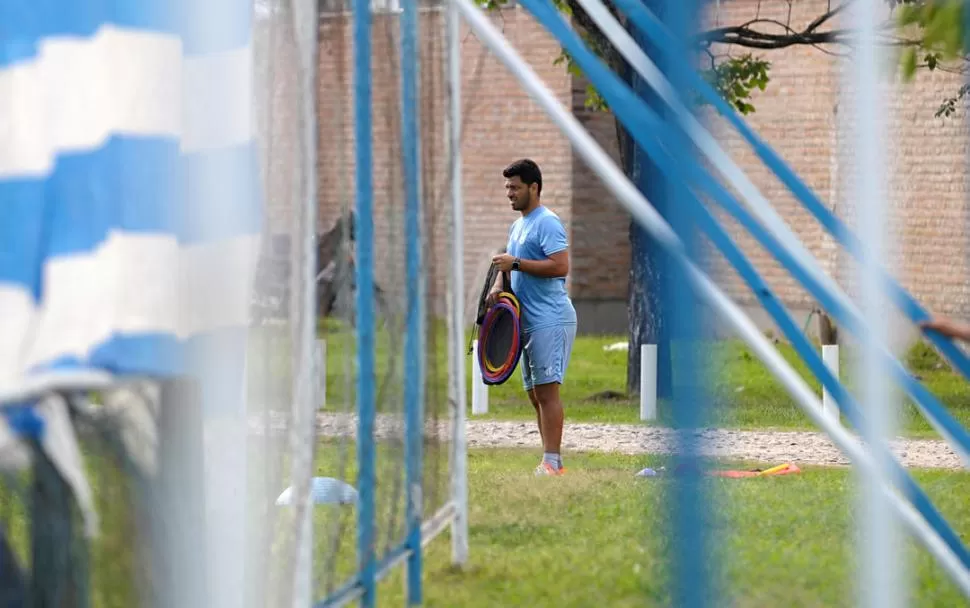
(929, 34)
(934, 38)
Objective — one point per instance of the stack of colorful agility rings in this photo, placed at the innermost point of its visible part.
(500, 339)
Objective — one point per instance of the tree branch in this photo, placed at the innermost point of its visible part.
(751, 35)
(832, 12)
(593, 33)
(750, 38)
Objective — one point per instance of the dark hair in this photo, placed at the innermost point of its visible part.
(527, 170)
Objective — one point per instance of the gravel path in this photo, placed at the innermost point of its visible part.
(776, 447)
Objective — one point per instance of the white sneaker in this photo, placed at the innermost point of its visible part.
(545, 468)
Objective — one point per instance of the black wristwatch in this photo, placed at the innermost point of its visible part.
(515, 264)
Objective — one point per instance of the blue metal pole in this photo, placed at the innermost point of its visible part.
(364, 227)
(648, 276)
(691, 583)
(414, 336)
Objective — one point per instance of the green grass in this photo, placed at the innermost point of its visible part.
(111, 562)
(743, 392)
(599, 537)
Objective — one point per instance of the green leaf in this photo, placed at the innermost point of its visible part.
(908, 14)
(909, 63)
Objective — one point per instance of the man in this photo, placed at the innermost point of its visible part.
(537, 257)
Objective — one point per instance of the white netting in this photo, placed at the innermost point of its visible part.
(335, 533)
(283, 383)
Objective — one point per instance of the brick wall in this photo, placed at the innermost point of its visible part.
(501, 124)
(802, 116)
(927, 164)
(600, 237)
(797, 116)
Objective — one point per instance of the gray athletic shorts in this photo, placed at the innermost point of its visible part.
(545, 355)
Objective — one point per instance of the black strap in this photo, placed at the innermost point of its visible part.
(483, 297)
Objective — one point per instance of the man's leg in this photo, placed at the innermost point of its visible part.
(551, 418)
(535, 403)
(549, 356)
(526, 369)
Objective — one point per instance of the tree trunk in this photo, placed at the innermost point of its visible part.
(648, 319)
(828, 332)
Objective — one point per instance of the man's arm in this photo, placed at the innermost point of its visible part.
(492, 296)
(556, 265)
(498, 284)
(554, 244)
(948, 327)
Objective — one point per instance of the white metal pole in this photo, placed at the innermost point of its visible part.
(830, 356)
(880, 581)
(225, 473)
(303, 595)
(304, 560)
(648, 382)
(459, 465)
(307, 372)
(320, 355)
(479, 388)
(633, 201)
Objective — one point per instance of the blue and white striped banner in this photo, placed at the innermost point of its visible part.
(129, 223)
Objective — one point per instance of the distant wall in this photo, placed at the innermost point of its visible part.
(797, 115)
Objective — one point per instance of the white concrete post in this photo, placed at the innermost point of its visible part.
(479, 388)
(830, 355)
(648, 382)
(320, 354)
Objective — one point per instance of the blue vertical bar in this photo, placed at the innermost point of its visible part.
(649, 271)
(414, 336)
(692, 573)
(364, 227)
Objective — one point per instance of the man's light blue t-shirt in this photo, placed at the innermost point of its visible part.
(544, 301)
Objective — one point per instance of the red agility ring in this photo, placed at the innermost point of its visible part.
(500, 340)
